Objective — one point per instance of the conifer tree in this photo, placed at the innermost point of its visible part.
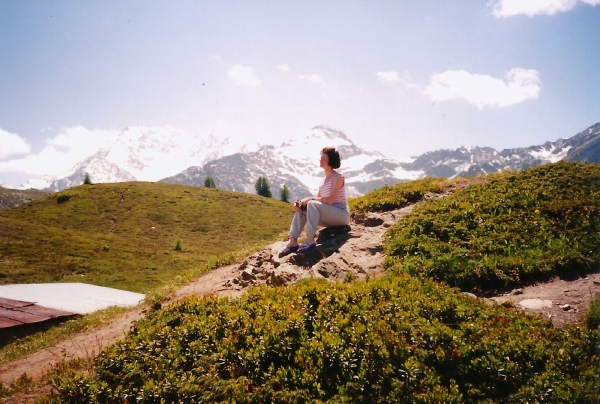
(87, 179)
(209, 182)
(284, 194)
(262, 187)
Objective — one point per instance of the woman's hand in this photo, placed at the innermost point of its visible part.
(302, 202)
(305, 201)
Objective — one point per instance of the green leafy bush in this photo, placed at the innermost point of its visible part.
(513, 228)
(592, 318)
(392, 340)
(63, 197)
(399, 195)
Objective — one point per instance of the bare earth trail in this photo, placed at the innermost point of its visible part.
(350, 251)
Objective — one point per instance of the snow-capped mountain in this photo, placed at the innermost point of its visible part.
(295, 163)
(586, 145)
(138, 153)
(98, 167)
(171, 155)
(470, 161)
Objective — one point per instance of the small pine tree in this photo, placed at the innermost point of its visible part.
(262, 187)
(178, 246)
(87, 179)
(209, 182)
(284, 194)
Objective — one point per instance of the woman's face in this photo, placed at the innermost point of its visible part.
(324, 160)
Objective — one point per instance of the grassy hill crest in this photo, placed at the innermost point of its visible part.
(124, 235)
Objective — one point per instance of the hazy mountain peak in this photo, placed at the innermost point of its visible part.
(139, 153)
(329, 132)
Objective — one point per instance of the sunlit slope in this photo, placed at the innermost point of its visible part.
(512, 228)
(124, 235)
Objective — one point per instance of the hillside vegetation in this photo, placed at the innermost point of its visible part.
(516, 227)
(125, 235)
(393, 197)
(401, 338)
(392, 340)
(10, 198)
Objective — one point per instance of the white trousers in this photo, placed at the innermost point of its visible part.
(319, 214)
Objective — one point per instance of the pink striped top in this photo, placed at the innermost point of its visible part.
(325, 189)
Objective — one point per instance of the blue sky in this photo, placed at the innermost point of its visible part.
(398, 77)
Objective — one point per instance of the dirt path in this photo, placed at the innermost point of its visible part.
(352, 251)
(562, 301)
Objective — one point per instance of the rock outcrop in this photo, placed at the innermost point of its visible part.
(345, 252)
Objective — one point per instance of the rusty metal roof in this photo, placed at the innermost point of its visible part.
(16, 312)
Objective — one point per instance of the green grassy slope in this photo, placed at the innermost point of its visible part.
(513, 228)
(123, 235)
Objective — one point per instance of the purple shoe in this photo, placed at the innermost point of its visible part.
(287, 251)
(304, 248)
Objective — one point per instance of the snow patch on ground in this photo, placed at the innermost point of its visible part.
(80, 298)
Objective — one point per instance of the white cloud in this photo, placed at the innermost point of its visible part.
(284, 68)
(243, 76)
(82, 141)
(388, 77)
(315, 77)
(394, 77)
(11, 144)
(217, 59)
(510, 8)
(62, 152)
(482, 90)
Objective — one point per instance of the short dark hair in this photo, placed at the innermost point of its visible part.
(334, 157)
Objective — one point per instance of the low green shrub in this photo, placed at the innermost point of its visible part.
(63, 197)
(515, 228)
(350, 277)
(592, 317)
(392, 340)
(399, 195)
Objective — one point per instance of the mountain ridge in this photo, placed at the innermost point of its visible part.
(169, 155)
(365, 171)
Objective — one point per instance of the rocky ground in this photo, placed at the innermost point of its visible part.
(348, 252)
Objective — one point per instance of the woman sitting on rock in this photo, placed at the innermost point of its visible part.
(328, 208)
